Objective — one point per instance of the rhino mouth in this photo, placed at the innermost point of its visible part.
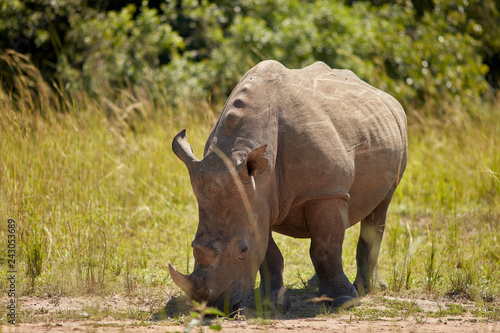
(232, 304)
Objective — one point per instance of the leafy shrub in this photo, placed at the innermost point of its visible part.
(413, 59)
(415, 50)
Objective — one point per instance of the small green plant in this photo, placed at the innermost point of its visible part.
(130, 283)
(200, 311)
(394, 235)
(401, 277)
(452, 310)
(431, 266)
(34, 248)
(91, 244)
(460, 280)
(402, 307)
(487, 311)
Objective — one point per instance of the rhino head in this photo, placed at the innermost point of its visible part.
(233, 229)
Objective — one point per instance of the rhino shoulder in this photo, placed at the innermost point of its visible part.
(268, 66)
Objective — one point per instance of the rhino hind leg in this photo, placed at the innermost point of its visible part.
(271, 273)
(370, 238)
(327, 220)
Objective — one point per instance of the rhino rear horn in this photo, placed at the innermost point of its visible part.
(184, 152)
(181, 280)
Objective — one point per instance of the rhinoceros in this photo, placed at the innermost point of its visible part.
(306, 153)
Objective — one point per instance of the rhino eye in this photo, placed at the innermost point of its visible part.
(244, 253)
(241, 248)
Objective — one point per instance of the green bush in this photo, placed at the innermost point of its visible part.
(416, 50)
(387, 46)
(116, 47)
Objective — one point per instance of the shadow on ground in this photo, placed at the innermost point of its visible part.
(299, 308)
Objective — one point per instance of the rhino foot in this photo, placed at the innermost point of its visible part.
(339, 302)
(363, 286)
(345, 302)
(313, 282)
(342, 292)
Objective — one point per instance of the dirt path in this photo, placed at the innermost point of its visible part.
(125, 314)
(341, 324)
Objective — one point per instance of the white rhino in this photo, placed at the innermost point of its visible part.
(302, 152)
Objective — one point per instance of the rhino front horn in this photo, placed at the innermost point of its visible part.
(184, 152)
(181, 280)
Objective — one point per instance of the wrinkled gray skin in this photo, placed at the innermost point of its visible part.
(316, 150)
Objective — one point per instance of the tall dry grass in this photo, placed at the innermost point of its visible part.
(103, 205)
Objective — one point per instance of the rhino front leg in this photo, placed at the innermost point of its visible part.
(327, 220)
(370, 238)
(271, 273)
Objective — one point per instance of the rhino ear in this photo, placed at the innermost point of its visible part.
(254, 163)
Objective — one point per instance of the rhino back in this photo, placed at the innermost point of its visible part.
(338, 136)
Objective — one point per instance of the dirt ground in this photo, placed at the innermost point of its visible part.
(341, 324)
(97, 314)
(291, 325)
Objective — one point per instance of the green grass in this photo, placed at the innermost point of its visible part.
(103, 205)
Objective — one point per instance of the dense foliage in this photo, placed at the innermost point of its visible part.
(416, 50)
